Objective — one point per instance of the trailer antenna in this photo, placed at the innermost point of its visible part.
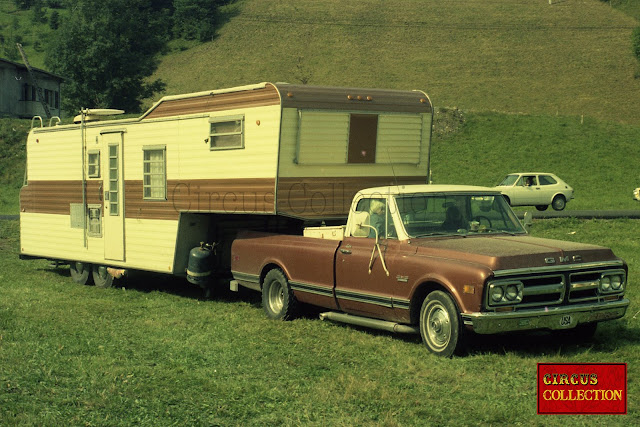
(393, 171)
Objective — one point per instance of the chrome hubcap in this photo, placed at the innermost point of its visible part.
(438, 326)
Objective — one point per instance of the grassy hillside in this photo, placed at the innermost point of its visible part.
(598, 159)
(570, 58)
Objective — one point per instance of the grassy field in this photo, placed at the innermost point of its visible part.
(152, 352)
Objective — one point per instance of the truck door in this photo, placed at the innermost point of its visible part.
(113, 187)
(357, 290)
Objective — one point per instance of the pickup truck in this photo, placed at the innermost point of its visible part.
(442, 261)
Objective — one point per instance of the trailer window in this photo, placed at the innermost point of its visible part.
(226, 133)
(363, 133)
(93, 164)
(154, 183)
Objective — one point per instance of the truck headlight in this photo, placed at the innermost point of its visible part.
(612, 282)
(512, 292)
(497, 293)
(505, 292)
(616, 282)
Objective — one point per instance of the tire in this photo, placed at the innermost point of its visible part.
(101, 277)
(559, 202)
(278, 300)
(80, 272)
(542, 207)
(440, 325)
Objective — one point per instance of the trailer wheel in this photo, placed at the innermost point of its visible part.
(80, 272)
(101, 276)
(277, 296)
(440, 325)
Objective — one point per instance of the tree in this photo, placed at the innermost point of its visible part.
(106, 49)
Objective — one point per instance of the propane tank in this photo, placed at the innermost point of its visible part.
(199, 265)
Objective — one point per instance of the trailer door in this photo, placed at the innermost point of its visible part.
(113, 184)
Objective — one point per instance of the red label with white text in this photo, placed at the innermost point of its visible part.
(582, 388)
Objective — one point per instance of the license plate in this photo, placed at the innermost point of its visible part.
(566, 321)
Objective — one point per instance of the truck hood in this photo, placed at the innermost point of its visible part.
(505, 252)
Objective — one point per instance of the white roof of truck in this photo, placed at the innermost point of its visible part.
(426, 188)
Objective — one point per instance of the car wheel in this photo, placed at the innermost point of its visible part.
(101, 276)
(559, 202)
(440, 325)
(277, 296)
(80, 272)
(542, 207)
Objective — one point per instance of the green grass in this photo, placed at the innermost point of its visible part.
(572, 58)
(151, 352)
(596, 158)
(33, 36)
(13, 137)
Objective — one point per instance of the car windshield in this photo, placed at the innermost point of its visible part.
(427, 214)
(509, 180)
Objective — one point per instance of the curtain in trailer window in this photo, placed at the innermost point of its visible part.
(322, 138)
(154, 175)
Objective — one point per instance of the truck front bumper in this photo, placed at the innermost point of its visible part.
(545, 318)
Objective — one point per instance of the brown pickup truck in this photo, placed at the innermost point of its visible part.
(441, 261)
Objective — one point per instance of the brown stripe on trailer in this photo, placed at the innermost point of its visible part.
(55, 197)
(294, 96)
(253, 196)
(228, 196)
(339, 98)
(328, 197)
(213, 101)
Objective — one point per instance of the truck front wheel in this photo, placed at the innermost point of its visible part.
(277, 296)
(440, 325)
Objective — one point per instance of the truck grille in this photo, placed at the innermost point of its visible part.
(552, 288)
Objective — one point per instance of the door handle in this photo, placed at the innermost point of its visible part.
(345, 251)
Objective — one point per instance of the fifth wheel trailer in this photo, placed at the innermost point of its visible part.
(106, 196)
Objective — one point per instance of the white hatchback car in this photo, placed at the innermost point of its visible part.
(535, 189)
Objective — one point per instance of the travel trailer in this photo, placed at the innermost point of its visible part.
(108, 196)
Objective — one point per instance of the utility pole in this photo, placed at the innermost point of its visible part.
(34, 80)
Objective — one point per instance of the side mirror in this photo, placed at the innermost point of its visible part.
(360, 227)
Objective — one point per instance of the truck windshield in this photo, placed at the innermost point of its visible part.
(456, 214)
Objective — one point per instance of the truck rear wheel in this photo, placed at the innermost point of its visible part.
(440, 325)
(277, 296)
(80, 272)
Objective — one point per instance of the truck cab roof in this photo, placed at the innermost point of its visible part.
(426, 188)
